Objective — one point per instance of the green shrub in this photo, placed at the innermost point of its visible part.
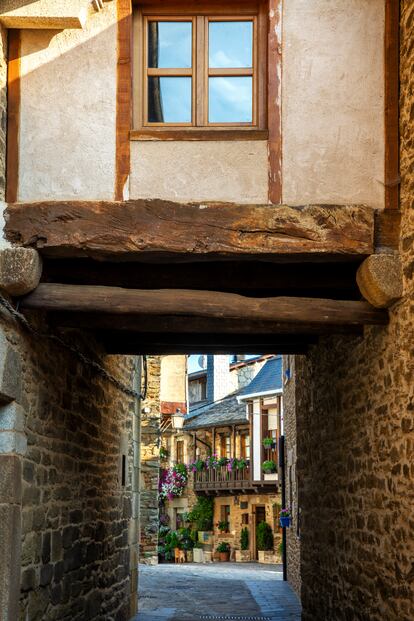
(244, 539)
(269, 466)
(264, 536)
(202, 513)
(223, 547)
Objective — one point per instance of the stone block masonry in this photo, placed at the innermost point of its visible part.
(150, 464)
(3, 111)
(65, 504)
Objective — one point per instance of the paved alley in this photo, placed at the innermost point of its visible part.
(219, 591)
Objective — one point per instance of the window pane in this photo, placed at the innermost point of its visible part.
(169, 100)
(230, 100)
(169, 44)
(230, 44)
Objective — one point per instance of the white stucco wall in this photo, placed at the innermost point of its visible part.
(332, 101)
(200, 171)
(68, 111)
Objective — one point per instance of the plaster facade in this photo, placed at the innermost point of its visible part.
(68, 110)
(200, 171)
(332, 102)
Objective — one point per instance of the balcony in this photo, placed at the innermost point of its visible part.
(221, 481)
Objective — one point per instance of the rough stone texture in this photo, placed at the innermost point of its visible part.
(150, 464)
(20, 270)
(292, 500)
(355, 416)
(72, 559)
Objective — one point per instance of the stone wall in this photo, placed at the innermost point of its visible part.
(292, 499)
(355, 416)
(64, 436)
(150, 464)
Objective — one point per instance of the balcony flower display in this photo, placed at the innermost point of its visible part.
(269, 443)
(173, 481)
(197, 466)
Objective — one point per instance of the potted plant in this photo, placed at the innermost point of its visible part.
(284, 518)
(269, 442)
(201, 517)
(223, 526)
(198, 554)
(243, 555)
(264, 541)
(223, 549)
(163, 453)
(269, 468)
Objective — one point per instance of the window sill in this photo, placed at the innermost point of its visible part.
(198, 134)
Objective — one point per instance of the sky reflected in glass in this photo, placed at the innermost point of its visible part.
(230, 44)
(169, 44)
(230, 100)
(169, 100)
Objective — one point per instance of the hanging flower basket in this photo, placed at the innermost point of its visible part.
(284, 518)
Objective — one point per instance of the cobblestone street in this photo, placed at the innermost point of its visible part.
(219, 591)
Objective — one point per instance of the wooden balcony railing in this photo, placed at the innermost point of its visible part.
(222, 478)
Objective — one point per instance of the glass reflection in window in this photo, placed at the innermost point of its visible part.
(169, 99)
(230, 44)
(230, 99)
(169, 44)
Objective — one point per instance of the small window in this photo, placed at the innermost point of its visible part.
(245, 446)
(200, 69)
(225, 516)
(245, 518)
(179, 451)
(225, 446)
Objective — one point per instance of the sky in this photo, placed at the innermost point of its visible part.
(194, 366)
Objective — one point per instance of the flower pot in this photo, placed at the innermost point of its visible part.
(284, 522)
(224, 556)
(243, 556)
(198, 555)
(270, 476)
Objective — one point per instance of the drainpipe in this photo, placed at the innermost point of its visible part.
(283, 490)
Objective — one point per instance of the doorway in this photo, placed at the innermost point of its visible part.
(259, 515)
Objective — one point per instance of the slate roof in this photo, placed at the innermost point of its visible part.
(226, 411)
(268, 379)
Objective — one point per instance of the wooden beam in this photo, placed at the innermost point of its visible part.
(166, 324)
(55, 297)
(274, 81)
(380, 279)
(123, 97)
(391, 100)
(325, 280)
(158, 230)
(130, 347)
(13, 115)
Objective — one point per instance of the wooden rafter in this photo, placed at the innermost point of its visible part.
(204, 304)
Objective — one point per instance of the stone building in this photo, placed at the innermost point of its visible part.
(231, 423)
(254, 222)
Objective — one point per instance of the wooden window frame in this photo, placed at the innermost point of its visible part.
(201, 15)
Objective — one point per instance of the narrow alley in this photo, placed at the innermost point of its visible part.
(225, 591)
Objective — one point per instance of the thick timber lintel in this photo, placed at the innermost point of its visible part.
(158, 230)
